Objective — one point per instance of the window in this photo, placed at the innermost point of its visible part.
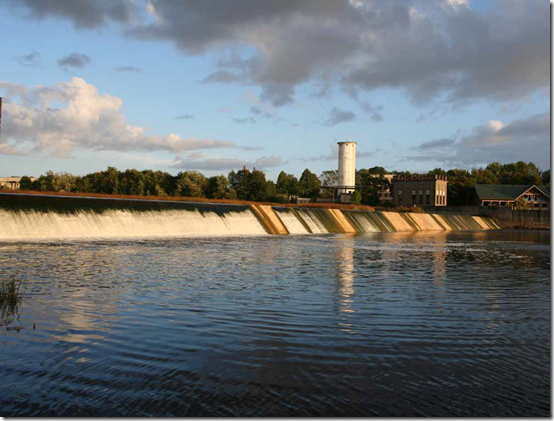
(428, 199)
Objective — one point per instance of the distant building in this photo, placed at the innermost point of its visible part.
(11, 183)
(536, 197)
(419, 190)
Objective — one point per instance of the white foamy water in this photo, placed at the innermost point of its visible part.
(364, 222)
(312, 221)
(291, 222)
(34, 225)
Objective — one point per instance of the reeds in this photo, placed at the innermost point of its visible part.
(10, 297)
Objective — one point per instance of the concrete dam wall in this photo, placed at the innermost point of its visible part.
(35, 217)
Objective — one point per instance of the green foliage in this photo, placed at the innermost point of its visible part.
(329, 178)
(521, 204)
(25, 183)
(239, 182)
(247, 185)
(377, 170)
(309, 185)
(219, 188)
(545, 178)
(55, 182)
(356, 198)
(191, 184)
(287, 184)
(371, 182)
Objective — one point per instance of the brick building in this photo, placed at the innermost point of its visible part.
(419, 190)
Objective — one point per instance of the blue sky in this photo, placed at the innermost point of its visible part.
(214, 86)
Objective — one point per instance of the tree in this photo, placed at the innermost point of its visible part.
(191, 184)
(309, 185)
(257, 186)
(219, 188)
(287, 184)
(521, 204)
(239, 182)
(356, 198)
(377, 170)
(109, 181)
(25, 183)
(271, 192)
(371, 182)
(545, 178)
(132, 182)
(329, 178)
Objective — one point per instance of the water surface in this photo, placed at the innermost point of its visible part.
(448, 324)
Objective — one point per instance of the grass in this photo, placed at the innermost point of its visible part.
(10, 297)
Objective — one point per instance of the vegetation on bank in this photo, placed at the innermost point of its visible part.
(246, 185)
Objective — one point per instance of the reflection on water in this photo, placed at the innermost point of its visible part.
(449, 324)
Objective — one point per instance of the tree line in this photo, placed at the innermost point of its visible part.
(242, 184)
(253, 185)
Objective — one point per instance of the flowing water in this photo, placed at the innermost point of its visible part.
(453, 323)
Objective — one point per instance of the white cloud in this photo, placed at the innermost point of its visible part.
(74, 114)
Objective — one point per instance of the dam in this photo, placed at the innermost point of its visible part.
(43, 217)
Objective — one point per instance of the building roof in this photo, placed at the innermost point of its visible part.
(505, 191)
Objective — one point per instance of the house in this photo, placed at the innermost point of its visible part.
(536, 197)
(419, 190)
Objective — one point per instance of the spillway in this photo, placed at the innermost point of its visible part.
(38, 217)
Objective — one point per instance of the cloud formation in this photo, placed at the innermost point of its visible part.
(436, 144)
(244, 120)
(198, 162)
(434, 49)
(87, 14)
(333, 154)
(526, 139)
(29, 60)
(87, 120)
(74, 61)
(128, 69)
(337, 116)
(185, 117)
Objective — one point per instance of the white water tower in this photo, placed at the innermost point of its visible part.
(347, 167)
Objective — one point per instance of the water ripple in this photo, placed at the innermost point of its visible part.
(383, 324)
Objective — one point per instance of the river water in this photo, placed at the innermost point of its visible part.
(447, 324)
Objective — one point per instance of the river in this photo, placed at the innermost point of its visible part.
(380, 324)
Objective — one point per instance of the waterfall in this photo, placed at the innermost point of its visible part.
(292, 222)
(112, 224)
(34, 217)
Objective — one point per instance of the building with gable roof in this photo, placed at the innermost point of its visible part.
(536, 197)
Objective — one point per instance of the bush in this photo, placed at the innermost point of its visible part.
(356, 198)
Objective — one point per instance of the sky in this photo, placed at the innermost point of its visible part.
(274, 85)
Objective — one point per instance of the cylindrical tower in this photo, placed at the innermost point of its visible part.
(347, 167)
